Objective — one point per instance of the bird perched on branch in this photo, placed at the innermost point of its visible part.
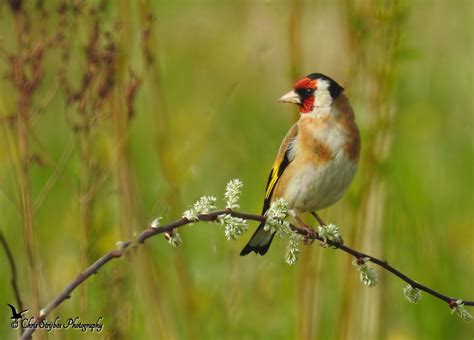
(317, 159)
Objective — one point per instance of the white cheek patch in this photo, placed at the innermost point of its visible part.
(323, 85)
(323, 99)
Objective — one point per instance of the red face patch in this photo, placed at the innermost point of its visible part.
(305, 83)
(307, 104)
(305, 88)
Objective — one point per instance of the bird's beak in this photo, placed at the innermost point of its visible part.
(290, 97)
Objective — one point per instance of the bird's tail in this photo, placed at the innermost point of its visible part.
(259, 242)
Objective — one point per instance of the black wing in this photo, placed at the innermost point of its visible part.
(12, 308)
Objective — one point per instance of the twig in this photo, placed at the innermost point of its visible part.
(211, 217)
(13, 280)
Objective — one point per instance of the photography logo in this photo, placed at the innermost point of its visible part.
(71, 323)
(16, 315)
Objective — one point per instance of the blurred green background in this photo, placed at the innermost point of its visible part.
(113, 113)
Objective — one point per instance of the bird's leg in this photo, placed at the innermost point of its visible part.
(307, 239)
(319, 219)
(322, 224)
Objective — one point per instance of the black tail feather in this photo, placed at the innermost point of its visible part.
(258, 249)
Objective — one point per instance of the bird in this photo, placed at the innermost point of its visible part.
(318, 157)
(15, 315)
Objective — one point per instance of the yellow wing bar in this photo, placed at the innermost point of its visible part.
(273, 179)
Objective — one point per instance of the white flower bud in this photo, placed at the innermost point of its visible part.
(367, 275)
(232, 194)
(191, 215)
(329, 232)
(156, 223)
(203, 206)
(412, 294)
(234, 226)
(292, 250)
(275, 218)
(461, 311)
(174, 238)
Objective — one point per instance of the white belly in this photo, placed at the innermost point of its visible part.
(317, 187)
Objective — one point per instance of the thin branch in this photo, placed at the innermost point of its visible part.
(212, 217)
(13, 280)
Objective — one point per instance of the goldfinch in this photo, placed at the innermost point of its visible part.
(317, 159)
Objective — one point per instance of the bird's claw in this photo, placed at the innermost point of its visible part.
(333, 245)
(308, 239)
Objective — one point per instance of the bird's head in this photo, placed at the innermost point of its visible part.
(313, 91)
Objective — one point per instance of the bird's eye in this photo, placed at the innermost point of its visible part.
(308, 91)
